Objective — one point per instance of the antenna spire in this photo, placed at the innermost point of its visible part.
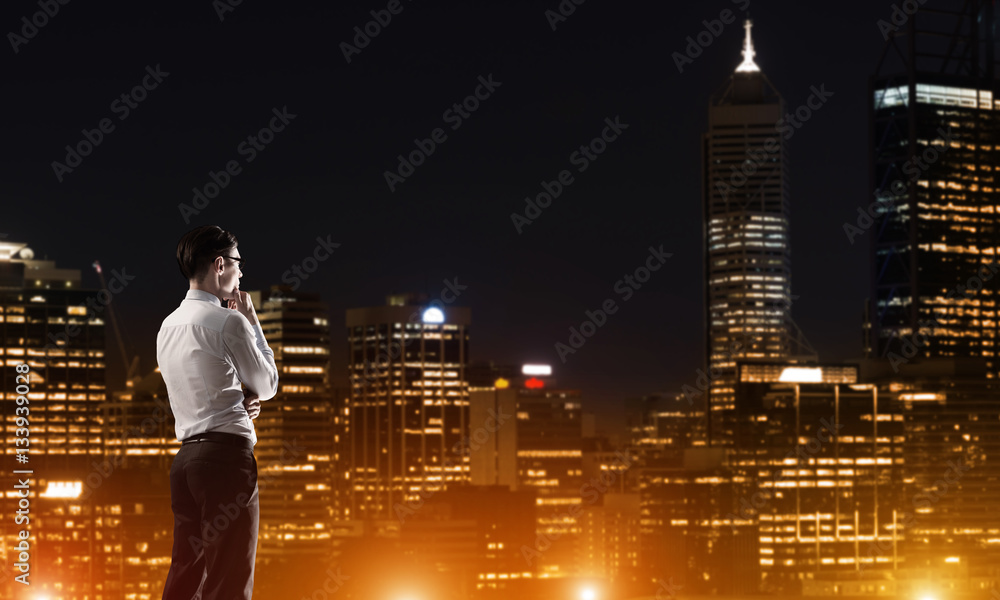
(748, 65)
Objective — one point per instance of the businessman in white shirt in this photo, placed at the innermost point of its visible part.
(205, 349)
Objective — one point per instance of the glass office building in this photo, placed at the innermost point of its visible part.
(408, 412)
(934, 126)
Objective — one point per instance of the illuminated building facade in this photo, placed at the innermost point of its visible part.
(745, 199)
(550, 460)
(131, 488)
(57, 329)
(951, 505)
(295, 432)
(818, 463)
(609, 539)
(409, 404)
(935, 236)
(471, 537)
(660, 424)
(609, 522)
(661, 428)
(689, 533)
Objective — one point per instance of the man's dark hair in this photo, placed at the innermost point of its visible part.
(199, 247)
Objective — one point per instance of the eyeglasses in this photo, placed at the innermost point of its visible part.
(240, 261)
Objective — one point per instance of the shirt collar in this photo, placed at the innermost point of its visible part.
(203, 295)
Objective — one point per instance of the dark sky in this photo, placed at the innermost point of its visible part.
(324, 174)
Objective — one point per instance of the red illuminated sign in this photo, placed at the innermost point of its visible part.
(534, 383)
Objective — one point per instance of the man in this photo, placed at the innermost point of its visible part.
(205, 349)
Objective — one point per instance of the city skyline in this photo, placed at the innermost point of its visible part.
(577, 301)
(639, 193)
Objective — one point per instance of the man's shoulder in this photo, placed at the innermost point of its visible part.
(201, 314)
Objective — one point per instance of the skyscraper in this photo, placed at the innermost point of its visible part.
(295, 430)
(57, 329)
(746, 231)
(550, 460)
(934, 238)
(492, 439)
(52, 344)
(818, 466)
(931, 316)
(131, 488)
(408, 413)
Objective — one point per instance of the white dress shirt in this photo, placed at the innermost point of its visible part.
(204, 351)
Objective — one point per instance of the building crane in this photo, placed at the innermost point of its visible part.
(131, 368)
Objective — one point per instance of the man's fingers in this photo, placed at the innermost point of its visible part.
(252, 404)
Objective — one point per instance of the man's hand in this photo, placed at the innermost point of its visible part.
(241, 302)
(252, 404)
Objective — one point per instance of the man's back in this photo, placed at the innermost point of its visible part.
(204, 351)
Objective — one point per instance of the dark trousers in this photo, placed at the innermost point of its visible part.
(214, 497)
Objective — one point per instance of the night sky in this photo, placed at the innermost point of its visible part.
(323, 175)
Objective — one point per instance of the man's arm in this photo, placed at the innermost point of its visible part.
(253, 359)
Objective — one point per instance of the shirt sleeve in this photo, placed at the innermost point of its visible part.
(252, 357)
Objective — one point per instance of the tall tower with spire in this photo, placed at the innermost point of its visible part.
(745, 199)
